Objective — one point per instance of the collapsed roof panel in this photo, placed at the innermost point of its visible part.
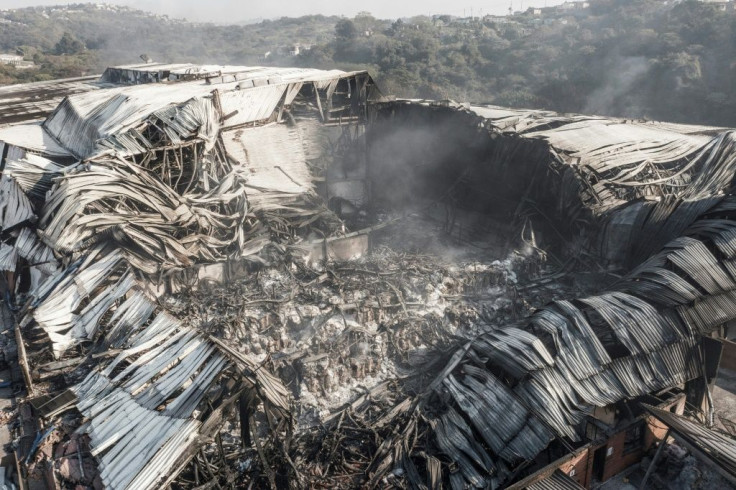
(621, 160)
(33, 138)
(78, 123)
(274, 161)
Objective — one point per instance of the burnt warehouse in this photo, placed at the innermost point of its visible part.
(247, 277)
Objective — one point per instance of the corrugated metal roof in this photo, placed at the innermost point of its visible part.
(556, 481)
(15, 207)
(526, 120)
(273, 161)
(8, 257)
(559, 358)
(621, 159)
(80, 122)
(33, 137)
(253, 104)
(135, 441)
(34, 101)
(140, 405)
(161, 72)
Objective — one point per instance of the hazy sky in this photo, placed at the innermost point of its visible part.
(241, 10)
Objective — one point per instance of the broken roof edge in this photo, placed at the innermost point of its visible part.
(715, 448)
(602, 166)
(504, 119)
(77, 123)
(493, 112)
(141, 74)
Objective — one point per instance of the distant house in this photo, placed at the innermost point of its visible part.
(438, 22)
(567, 6)
(722, 5)
(10, 59)
(290, 50)
(16, 61)
(497, 19)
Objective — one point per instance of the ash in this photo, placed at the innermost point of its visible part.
(336, 332)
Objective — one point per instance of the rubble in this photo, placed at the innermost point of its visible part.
(261, 277)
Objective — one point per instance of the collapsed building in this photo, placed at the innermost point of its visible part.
(243, 276)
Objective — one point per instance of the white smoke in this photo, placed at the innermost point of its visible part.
(624, 73)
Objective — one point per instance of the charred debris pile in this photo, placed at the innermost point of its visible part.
(230, 276)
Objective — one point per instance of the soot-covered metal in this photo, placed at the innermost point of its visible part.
(224, 276)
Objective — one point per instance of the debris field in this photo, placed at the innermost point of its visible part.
(247, 277)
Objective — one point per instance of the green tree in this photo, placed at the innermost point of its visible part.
(68, 44)
(345, 31)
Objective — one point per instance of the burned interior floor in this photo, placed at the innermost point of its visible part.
(251, 277)
(334, 332)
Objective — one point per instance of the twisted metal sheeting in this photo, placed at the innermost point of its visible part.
(640, 337)
(155, 226)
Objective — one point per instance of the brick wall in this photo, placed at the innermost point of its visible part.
(654, 431)
(618, 461)
(582, 459)
(581, 463)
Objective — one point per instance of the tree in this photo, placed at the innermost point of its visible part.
(345, 31)
(68, 44)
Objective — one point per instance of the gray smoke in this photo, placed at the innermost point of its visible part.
(613, 98)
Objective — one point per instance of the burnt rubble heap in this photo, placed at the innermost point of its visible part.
(240, 276)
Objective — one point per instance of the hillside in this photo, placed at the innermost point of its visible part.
(109, 35)
(628, 58)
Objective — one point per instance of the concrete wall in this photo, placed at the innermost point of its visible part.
(728, 355)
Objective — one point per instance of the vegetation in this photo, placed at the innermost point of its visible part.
(628, 58)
